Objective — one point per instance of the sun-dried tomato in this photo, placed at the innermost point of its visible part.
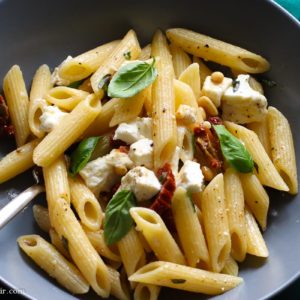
(162, 202)
(6, 129)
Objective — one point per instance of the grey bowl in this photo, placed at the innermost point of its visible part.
(34, 32)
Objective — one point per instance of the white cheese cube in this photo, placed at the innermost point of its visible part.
(186, 114)
(190, 177)
(141, 153)
(242, 104)
(99, 174)
(51, 117)
(214, 91)
(142, 182)
(135, 130)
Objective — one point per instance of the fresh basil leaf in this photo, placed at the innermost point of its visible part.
(102, 148)
(234, 151)
(131, 79)
(178, 281)
(82, 154)
(76, 84)
(118, 221)
(104, 82)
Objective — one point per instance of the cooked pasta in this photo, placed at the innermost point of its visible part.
(154, 165)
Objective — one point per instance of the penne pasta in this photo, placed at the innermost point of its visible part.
(85, 64)
(119, 288)
(216, 223)
(282, 148)
(181, 60)
(18, 105)
(231, 267)
(146, 292)
(17, 161)
(145, 53)
(185, 278)
(189, 229)
(41, 84)
(217, 51)
(97, 240)
(129, 44)
(74, 124)
(255, 242)
(234, 199)
(256, 198)
(51, 261)
(157, 235)
(41, 216)
(65, 97)
(59, 244)
(204, 69)
(163, 110)
(191, 76)
(266, 171)
(86, 204)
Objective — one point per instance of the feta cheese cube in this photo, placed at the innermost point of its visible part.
(99, 174)
(135, 130)
(142, 182)
(186, 114)
(190, 177)
(242, 104)
(141, 153)
(51, 117)
(214, 91)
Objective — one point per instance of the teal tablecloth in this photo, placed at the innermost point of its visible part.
(293, 6)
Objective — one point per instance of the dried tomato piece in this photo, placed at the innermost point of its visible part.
(6, 129)
(162, 202)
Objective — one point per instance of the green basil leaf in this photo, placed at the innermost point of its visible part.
(82, 154)
(131, 79)
(76, 84)
(118, 221)
(234, 151)
(102, 148)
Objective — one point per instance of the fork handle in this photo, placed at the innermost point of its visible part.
(12, 208)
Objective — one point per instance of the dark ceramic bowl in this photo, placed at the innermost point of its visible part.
(34, 32)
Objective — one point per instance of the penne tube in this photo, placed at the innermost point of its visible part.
(97, 240)
(256, 198)
(17, 161)
(262, 131)
(56, 184)
(128, 245)
(204, 69)
(209, 107)
(129, 44)
(41, 84)
(282, 148)
(185, 278)
(86, 204)
(86, 86)
(255, 241)
(189, 229)
(58, 243)
(184, 95)
(234, 199)
(65, 97)
(216, 223)
(191, 76)
(157, 235)
(81, 250)
(73, 125)
(18, 105)
(231, 267)
(41, 216)
(145, 53)
(128, 109)
(85, 64)
(118, 287)
(51, 261)
(266, 171)
(146, 292)
(181, 60)
(163, 110)
(217, 51)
